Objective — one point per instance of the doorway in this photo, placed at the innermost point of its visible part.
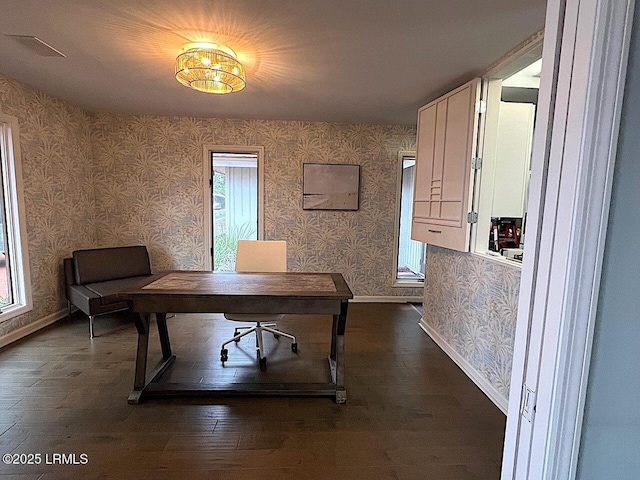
(235, 201)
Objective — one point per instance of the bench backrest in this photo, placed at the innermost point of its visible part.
(102, 264)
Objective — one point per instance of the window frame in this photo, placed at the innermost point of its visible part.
(481, 202)
(413, 282)
(16, 242)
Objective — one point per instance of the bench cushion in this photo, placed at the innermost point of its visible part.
(108, 291)
(104, 264)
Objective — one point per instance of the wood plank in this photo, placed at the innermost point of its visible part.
(411, 413)
(237, 283)
(263, 293)
(240, 389)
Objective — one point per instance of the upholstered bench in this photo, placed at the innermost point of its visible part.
(93, 278)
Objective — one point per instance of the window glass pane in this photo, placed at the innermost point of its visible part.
(234, 204)
(6, 294)
(411, 254)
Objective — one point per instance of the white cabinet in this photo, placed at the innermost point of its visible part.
(447, 131)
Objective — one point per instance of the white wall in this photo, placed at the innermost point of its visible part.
(513, 157)
(242, 198)
(610, 442)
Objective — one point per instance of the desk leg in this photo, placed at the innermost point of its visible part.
(336, 359)
(163, 333)
(142, 325)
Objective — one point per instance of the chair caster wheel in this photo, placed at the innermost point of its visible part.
(263, 362)
(294, 347)
(224, 355)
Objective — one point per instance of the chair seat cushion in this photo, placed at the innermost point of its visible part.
(109, 290)
(252, 317)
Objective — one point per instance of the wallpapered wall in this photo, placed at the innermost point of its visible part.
(472, 304)
(55, 144)
(149, 175)
(98, 180)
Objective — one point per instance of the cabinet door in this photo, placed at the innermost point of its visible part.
(447, 131)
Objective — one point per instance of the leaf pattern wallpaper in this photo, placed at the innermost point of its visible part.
(149, 177)
(472, 303)
(55, 144)
(104, 180)
(95, 180)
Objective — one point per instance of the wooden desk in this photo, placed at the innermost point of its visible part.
(264, 293)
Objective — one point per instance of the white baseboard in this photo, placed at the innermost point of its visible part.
(32, 327)
(389, 299)
(489, 390)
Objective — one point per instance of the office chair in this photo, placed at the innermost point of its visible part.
(258, 256)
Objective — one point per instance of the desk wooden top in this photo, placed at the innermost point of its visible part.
(262, 293)
(290, 284)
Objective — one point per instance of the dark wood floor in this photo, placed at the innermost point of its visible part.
(410, 414)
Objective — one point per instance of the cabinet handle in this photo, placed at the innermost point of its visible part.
(435, 231)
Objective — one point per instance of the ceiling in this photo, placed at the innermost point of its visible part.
(355, 61)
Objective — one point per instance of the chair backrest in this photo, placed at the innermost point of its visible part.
(103, 264)
(261, 256)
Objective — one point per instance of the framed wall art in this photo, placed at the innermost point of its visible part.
(327, 186)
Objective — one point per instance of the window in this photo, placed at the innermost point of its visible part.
(502, 181)
(410, 254)
(15, 288)
(235, 203)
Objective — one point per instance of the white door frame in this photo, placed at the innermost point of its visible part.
(584, 67)
(207, 189)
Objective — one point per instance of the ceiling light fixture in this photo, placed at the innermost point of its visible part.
(210, 68)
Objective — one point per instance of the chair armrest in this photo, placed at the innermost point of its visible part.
(84, 299)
